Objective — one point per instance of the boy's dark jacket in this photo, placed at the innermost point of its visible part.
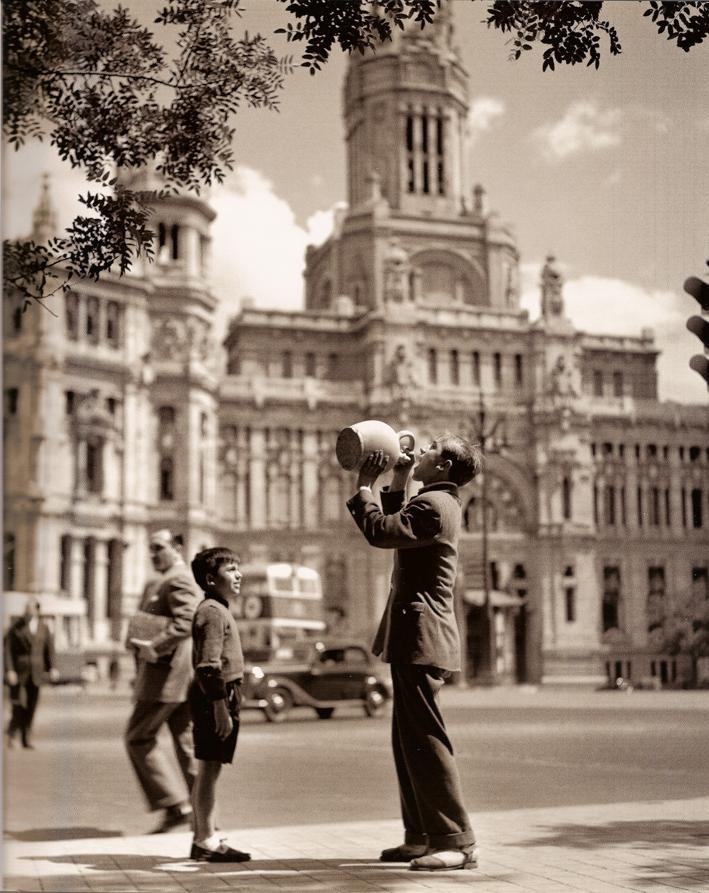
(419, 624)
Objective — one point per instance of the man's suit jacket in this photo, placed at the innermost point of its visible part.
(173, 594)
(30, 655)
(419, 624)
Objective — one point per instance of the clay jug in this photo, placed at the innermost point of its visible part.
(356, 442)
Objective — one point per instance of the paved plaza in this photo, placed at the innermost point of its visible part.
(653, 847)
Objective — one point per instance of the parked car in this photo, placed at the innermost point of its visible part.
(321, 674)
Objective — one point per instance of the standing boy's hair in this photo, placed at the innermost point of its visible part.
(466, 458)
(209, 561)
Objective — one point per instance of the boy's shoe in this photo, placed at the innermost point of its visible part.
(223, 853)
(447, 860)
(405, 852)
(181, 814)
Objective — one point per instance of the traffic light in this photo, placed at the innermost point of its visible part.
(699, 325)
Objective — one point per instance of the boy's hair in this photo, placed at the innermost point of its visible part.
(466, 458)
(209, 561)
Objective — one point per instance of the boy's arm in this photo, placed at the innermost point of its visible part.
(417, 524)
(208, 633)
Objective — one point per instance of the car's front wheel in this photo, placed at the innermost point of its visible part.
(374, 702)
(324, 712)
(278, 704)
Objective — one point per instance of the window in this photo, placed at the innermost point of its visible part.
(611, 598)
(597, 383)
(310, 365)
(566, 497)
(617, 384)
(666, 453)
(69, 402)
(621, 451)
(623, 507)
(455, 367)
(652, 451)
(114, 580)
(167, 473)
(94, 464)
(570, 603)
(432, 366)
(440, 154)
(92, 330)
(71, 315)
(175, 241)
(607, 449)
(610, 505)
(683, 497)
(655, 507)
(16, 319)
(333, 365)
(65, 563)
(593, 450)
(475, 359)
(641, 508)
(112, 324)
(425, 164)
(519, 369)
(595, 504)
(700, 582)
(8, 562)
(410, 122)
(497, 369)
(697, 515)
(87, 588)
(681, 454)
(668, 513)
(695, 454)
(287, 365)
(637, 451)
(12, 400)
(656, 589)
(162, 235)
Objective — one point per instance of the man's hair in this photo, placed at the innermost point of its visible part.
(466, 458)
(209, 561)
(174, 539)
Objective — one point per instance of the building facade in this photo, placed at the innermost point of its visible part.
(122, 414)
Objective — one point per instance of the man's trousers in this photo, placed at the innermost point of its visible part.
(429, 785)
(155, 771)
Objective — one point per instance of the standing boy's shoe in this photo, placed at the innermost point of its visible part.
(223, 853)
(447, 860)
(405, 852)
(181, 814)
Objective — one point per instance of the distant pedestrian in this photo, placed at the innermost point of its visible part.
(418, 636)
(161, 640)
(29, 657)
(214, 695)
(114, 672)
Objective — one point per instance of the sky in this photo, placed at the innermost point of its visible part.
(606, 169)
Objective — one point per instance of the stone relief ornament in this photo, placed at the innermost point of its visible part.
(169, 340)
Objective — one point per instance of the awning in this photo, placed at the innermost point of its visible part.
(498, 599)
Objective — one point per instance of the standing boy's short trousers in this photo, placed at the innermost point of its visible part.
(207, 744)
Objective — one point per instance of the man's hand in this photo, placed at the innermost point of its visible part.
(222, 719)
(11, 677)
(372, 467)
(54, 675)
(402, 471)
(145, 650)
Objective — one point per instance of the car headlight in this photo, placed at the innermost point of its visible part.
(257, 672)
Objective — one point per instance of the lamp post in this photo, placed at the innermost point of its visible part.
(483, 431)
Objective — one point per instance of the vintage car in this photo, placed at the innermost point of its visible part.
(320, 674)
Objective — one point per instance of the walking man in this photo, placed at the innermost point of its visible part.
(418, 636)
(29, 655)
(163, 674)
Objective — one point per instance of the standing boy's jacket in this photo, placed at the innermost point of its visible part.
(419, 624)
(217, 655)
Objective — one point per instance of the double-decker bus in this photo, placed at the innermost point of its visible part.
(280, 605)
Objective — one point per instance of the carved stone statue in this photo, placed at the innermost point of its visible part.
(552, 283)
(401, 371)
(396, 273)
(561, 379)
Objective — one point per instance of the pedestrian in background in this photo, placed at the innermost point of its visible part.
(29, 657)
(160, 635)
(214, 695)
(418, 636)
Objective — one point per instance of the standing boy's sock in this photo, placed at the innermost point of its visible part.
(213, 842)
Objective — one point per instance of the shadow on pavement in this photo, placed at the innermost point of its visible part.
(73, 833)
(326, 874)
(672, 843)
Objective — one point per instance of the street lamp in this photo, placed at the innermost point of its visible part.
(483, 432)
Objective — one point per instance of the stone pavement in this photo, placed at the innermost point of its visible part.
(651, 846)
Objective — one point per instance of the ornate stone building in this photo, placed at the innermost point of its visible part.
(121, 415)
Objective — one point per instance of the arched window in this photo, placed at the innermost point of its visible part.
(432, 366)
(175, 241)
(167, 482)
(566, 497)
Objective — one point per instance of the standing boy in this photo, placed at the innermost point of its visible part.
(214, 695)
(418, 636)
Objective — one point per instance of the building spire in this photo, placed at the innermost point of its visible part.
(44, 217)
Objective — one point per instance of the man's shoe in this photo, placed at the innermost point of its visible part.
(27, 744)
(447, 860)
(224, 853)
(173, 818)
(403, 853)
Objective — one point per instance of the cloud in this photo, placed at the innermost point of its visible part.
(584, 128)
(484, 112)
(601, 305)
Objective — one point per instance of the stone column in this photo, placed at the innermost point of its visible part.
(101, 631)
(310, 481)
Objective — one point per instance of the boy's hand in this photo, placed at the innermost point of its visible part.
(372, 467)
(222, 719)
(402, 471)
